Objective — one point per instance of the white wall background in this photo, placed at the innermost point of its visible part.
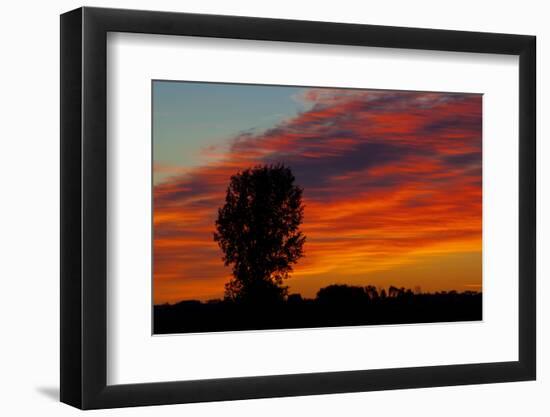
(29, 225)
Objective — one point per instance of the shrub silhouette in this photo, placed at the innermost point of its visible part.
(258, 231)
(342, 294)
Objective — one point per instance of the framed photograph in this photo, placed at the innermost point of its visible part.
(257, 208)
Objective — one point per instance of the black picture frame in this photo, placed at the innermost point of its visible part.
(84, 207)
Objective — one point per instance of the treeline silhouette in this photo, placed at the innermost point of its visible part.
(334, 305)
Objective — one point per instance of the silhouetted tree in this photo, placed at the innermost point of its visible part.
(258, 231)
(372, 292)
(295, 299)
(342, 294)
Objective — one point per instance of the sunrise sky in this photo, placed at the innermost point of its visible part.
(391, 179)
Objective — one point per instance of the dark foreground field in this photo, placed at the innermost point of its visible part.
(346, 309)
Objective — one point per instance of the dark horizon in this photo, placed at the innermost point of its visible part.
(334, 306)
(413, 290)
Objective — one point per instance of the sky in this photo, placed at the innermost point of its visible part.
(391, 182)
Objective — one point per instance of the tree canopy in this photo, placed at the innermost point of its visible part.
(258, 231)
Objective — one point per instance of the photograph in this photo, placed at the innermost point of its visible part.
(285, 207)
